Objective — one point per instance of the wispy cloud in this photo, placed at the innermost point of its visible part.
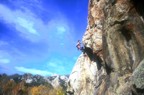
(61, 29)
(29, 25)
(55, 34)
(59, 65)
(22, 21)
(4, 57)
(33, 71)
(33, 27)
(4, 61)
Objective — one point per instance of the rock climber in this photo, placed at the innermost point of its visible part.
(79, 47)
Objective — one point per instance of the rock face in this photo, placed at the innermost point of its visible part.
(83, 77)
(114, 46)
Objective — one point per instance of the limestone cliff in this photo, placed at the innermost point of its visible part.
(114, 46)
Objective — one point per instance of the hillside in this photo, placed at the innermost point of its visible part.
(28, 84)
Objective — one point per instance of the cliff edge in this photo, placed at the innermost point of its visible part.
(114, 46)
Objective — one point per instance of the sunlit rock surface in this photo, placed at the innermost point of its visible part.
(114, 46)
(59, 81)
(84, 77)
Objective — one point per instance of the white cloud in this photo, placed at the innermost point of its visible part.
(61, 29)
(4, 57)
(6, 14)
(29, 25)
(4, 61)
(51, 64)
(58, 65)
(23, 22)
(33, 71)
(35, 29)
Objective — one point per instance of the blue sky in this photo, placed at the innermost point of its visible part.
(39, 36)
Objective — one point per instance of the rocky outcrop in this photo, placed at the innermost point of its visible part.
(59, 81)
(114, 50)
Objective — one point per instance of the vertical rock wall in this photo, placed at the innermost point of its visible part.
(114, 46)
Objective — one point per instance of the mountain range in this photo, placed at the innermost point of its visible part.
(29, 84)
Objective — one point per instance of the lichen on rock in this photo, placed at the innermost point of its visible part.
(138, 76)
